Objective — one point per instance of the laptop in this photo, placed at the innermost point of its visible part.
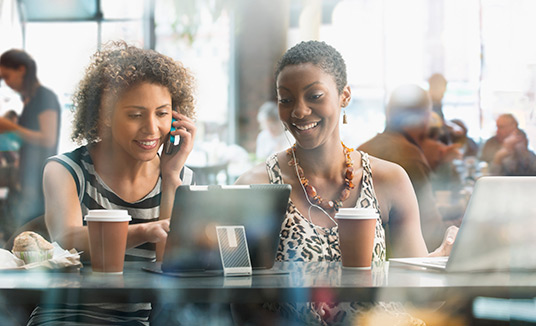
(497, 232)
(192, 244)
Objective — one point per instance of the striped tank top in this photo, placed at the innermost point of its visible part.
(93, 193)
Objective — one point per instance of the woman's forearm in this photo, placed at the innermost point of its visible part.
(167, 199)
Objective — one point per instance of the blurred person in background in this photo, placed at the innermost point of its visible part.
(10, 143)
(437, 86)
(407, 121)
(458, 132)
(9, 162)
(441, 157)
(38, 128)
(506, 124)
(514, 157)
(436, 152)
(271, 139)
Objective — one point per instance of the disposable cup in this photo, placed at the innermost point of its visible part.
(356, 236)
(108, 231)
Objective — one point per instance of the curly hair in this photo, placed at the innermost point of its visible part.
(320, 54)
(118, 68)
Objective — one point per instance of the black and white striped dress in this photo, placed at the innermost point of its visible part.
(93, 193)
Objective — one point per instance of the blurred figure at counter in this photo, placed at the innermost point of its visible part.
(38, 128)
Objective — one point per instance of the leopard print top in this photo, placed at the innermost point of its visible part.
(301, 240)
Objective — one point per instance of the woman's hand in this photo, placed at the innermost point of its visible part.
(7, 125)
(156, 231)
(448, 240)
(172, 164)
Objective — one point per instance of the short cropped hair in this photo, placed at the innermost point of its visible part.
(320, 54)
(118, 68)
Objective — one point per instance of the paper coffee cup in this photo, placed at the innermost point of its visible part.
(108, 231)
(357, 228)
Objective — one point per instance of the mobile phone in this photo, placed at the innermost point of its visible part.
(172, 140)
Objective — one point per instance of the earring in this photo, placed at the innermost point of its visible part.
(344, 119)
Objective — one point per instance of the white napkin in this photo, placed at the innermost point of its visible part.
(61, 259)
(8, 260)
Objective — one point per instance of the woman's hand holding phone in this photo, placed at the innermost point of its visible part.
(174, 158)
(170, 142)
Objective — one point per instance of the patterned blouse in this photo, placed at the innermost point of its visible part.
(301, 240)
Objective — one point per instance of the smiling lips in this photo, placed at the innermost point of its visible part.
(148, 144)
(304, 127)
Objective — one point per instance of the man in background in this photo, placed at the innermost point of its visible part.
(506, 125)
(407, 118)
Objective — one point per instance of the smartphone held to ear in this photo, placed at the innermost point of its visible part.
(172, 141)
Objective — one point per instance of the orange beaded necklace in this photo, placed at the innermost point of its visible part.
(310, 189)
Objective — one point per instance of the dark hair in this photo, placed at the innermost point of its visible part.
(11, 115)
(319, 54)
(14, 59)
(118, 68)
(460, 124)
(409, 105)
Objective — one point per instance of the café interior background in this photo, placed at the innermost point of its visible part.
(484, 48)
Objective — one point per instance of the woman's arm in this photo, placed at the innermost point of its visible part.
(397, 200)
(46, 136)
(63, 215)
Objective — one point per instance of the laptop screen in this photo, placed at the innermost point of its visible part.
(192, 243)
(498, 228)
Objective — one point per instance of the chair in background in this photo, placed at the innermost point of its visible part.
(208, 174)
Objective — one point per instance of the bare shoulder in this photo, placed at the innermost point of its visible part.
(386, 173)
(256, 175)
(58, 180)
(55, 171)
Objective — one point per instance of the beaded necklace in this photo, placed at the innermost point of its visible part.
(310, 189)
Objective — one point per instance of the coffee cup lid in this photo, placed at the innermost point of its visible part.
(107, 215)
(356, 213)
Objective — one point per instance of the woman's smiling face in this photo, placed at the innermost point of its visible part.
(141, 120)
(309, 103)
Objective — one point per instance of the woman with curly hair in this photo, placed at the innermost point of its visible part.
(124, 109)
